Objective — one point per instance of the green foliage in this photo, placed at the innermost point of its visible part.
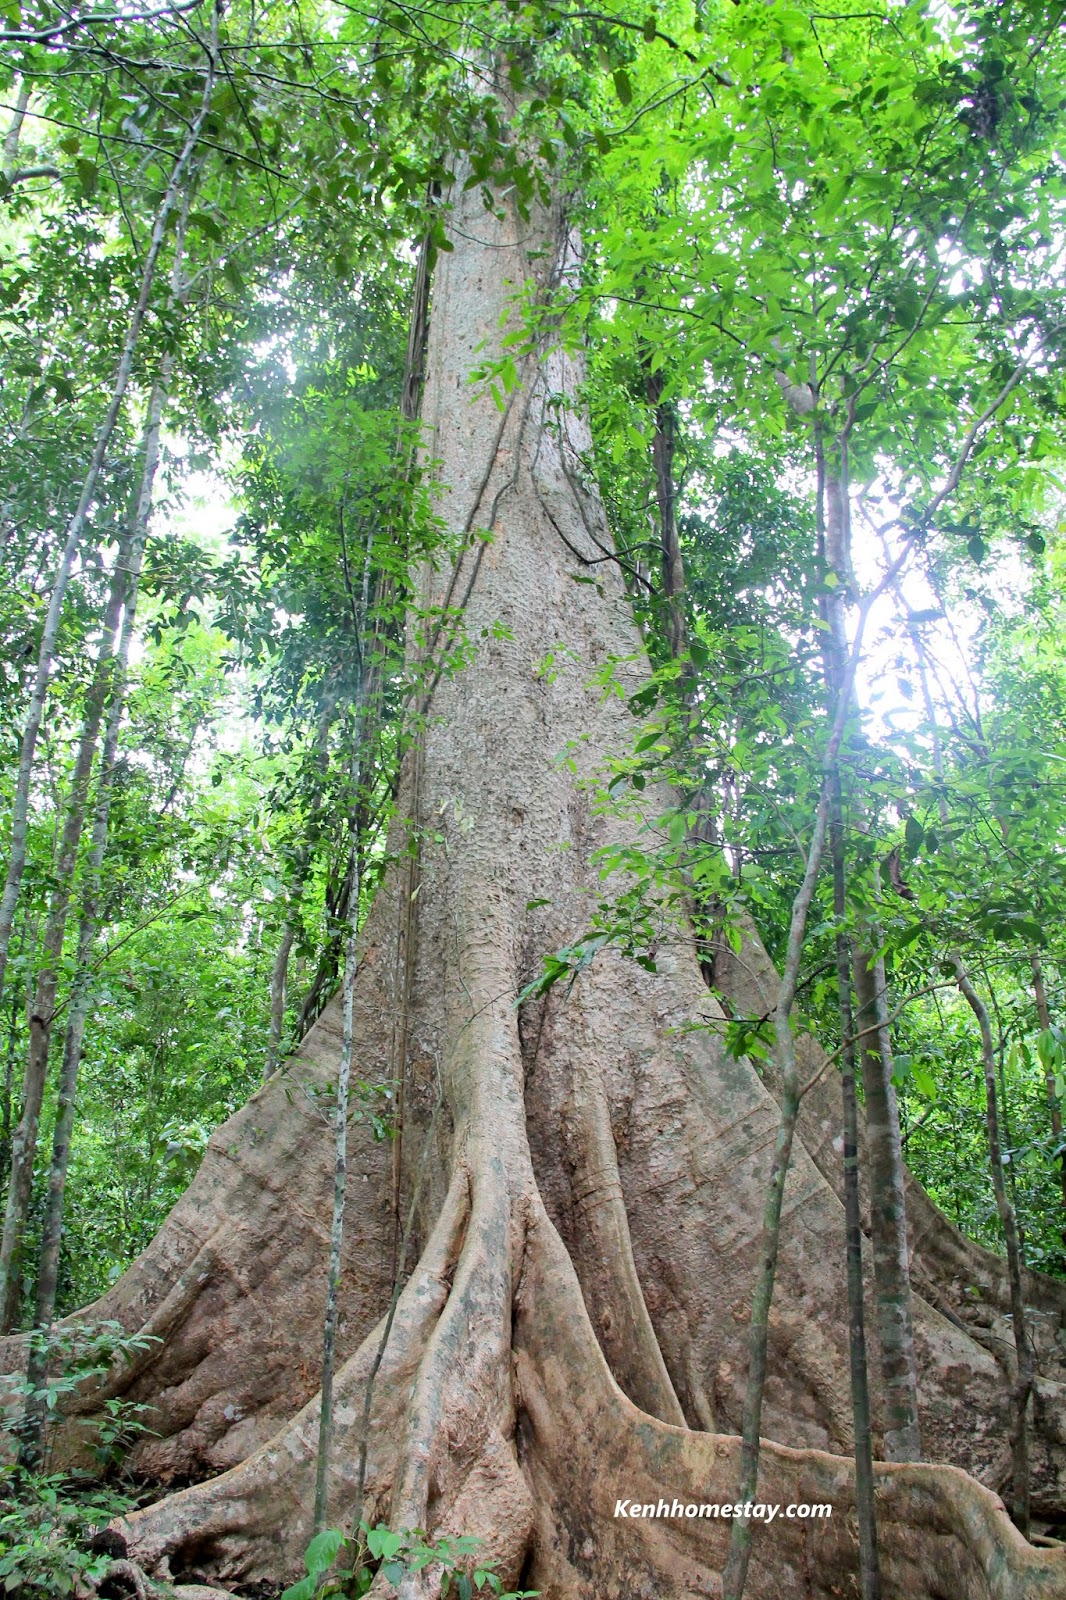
(69, 1357)
(395, 1556)
(48, 1519)
(47, 1523)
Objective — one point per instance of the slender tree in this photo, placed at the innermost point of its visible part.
(168, 206)
(81, 992)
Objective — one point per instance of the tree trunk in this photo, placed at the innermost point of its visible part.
(42, 1011)
(1023, 1382)
(279, 974)
(888, 1215)
(81, 987)
(734, 1578)
(833, 512)
(586, 1252)
(1054, 1104)
(664, 441)
(869, 1560)
(76, 527)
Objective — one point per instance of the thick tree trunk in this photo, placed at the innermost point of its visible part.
(589, 1189)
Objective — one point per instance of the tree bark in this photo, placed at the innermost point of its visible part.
(279, 974)
(835, 528)
(344, 1067)
(664, 442)
(1054, 1104)
(735, 1575)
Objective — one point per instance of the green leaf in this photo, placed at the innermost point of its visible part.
(383, 1544)
(923, 1081)
(304, 1590)
(323, 1550)
(88, 176)
(206, 224)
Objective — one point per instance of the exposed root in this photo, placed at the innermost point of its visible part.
(626, 1155)
(498, 1415)
(943, 1536)
(605, 1264)
(253, 1523)
(130, 1574)
(230, 1284)
(460, 1473)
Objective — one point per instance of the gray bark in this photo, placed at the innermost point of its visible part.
(279, 976)
(834, 524)
(1054, 1105)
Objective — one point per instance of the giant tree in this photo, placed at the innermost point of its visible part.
(588, 1168)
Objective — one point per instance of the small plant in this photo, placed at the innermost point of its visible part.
(47, 1525)
(395, 1555)
(48, 1519)
(62, 1360)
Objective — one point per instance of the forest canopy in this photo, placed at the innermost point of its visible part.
(813, 290)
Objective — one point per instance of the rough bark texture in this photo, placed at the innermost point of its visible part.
(589, 1213)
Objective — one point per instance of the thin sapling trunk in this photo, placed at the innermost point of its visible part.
(1023, 1383)
(42, 1011)
(888, 1217)
(736, 1570)
(76, 527)
(344, 1070)
(1054, 1104)
(837, 557)
(869, 1562)
(81, 992)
